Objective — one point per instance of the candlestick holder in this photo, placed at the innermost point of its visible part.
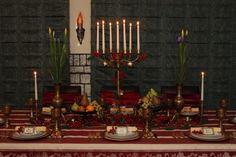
(117, 60)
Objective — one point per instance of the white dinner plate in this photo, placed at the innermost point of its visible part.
(23, 136)
(128, 137)
(203, 137)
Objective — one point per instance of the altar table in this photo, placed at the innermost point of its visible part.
(89, 142)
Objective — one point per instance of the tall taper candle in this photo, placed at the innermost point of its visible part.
(130, 37)
(138, 38)
(110, 26)
(202, 85)
(103, 37)
(97, 37)
(124, 36)
(35, 86)
(117, 37)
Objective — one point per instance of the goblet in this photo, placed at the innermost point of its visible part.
(220, 113)
(224, 103)
(147, 114)
(56, 117)
(6, 113)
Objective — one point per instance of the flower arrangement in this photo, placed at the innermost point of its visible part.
(147, 101)
(58, 54)
(182, 57)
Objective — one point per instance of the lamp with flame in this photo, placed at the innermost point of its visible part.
(80, 30)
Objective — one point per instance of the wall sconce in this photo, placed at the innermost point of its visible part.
(80, 30)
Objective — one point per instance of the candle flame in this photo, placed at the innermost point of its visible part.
(103, 22)
(130, 24)
(117, 22)
(202, 73)
(35, 73)
(137, 22)
(124, 21)
(80, 19)
(110, 23)
(97, 23)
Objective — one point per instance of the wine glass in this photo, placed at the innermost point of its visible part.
(220, 113)
(6, 113)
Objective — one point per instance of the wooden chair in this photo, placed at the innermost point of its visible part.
(191, 94)
(69, 94)
(130, 96)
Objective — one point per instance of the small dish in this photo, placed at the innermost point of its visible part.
(2, 121)
(189, 113)
(233, 120)
(209, 138)
(22, 136)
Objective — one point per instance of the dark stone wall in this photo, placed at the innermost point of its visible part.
(25, 45)
(212, 34)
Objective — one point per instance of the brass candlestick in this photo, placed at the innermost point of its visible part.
(6, 113)
(56, 113)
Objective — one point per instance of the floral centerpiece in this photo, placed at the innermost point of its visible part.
(58, 55)
(149, 100)
(182, 57)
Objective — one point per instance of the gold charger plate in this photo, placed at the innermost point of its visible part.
(19, 136)
(115, 137)
(209, 138)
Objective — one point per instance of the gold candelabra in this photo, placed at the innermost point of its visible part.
(117, 59)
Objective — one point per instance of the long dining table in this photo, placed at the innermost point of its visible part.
(89, 141)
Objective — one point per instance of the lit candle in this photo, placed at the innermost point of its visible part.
(130, 37)
(117, 37)
(35, 86)
(103, 37)
(97, 36)
(110, 25)
(202, 86)
(138, 38)
(124, 36)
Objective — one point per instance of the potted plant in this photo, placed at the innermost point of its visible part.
(58, 55)
(182, 57)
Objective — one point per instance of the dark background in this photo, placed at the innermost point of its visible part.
(211, 24)
(212, 34)
(25, 45)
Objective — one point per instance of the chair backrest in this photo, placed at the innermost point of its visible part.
(130, 95)
(191, 94)
(69, 94)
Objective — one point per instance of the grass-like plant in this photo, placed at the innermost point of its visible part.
(58, 54)
(182, 57)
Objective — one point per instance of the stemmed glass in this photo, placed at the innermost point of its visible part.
(6, 113)
(30, 102)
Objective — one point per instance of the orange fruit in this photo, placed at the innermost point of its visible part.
(81, 109)
(89, 108)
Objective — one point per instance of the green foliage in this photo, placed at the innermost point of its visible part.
(58, 54)
(182, 57)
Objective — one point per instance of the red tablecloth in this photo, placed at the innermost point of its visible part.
(76, 142)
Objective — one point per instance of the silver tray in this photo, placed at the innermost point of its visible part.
(115, 137)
